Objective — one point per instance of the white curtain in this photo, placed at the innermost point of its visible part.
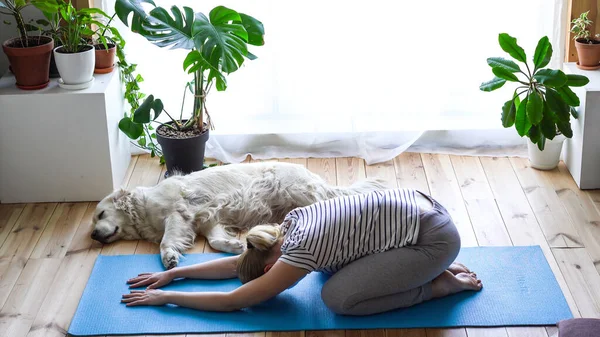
(361, 78)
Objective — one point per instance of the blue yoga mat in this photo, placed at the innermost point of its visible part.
(519, 289)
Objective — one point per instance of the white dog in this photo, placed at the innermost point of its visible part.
(217, 203)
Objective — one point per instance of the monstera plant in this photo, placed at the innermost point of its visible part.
(542, 103)
(218, 46)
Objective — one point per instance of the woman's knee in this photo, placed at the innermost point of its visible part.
(336, 298)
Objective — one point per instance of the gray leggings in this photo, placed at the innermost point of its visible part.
(399, 277)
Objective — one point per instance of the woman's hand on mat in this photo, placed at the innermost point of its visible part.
(152, 280)
(148, 297)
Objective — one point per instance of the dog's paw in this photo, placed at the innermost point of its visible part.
(170, 258)
(227, 246)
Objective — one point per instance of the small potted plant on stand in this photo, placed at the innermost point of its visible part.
(218, 45)
(51, 25)
(75, 59)
(106, 48)
(29, 56)
(588, 49)
(541, 105)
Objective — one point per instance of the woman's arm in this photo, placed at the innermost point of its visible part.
(278, 279)
(223, 268)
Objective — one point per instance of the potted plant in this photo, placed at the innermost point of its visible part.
(29, 56)
(543, 102)
(51, 25)
(75, 58)
(588, 49)
(107, 41)
(218, 46)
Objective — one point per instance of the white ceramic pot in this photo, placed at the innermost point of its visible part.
(549, 158)
(76, 68)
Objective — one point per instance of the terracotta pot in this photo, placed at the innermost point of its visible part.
(105, 58)
(588, 53)
(30, 65)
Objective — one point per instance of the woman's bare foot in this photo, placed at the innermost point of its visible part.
(448, 284)
(457, 268)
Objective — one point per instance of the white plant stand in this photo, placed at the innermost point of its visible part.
(582, 152)
(61, 145)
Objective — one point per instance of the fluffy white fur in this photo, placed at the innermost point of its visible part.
(217, 203)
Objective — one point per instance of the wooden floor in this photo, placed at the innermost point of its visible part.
(46, 254)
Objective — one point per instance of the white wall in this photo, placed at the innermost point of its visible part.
(10, 31)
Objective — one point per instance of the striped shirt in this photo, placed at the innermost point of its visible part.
(330, 234)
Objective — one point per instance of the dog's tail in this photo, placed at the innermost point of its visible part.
(360, 187)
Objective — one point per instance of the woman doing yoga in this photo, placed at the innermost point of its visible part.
(384, 250)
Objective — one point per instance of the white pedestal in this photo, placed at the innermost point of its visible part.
(61, 145)
(582, 152)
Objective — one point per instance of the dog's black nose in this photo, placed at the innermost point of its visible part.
(95, 234)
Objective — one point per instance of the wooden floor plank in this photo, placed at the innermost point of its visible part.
(405, 333)
(146, 172)
(527, 332)
(285, 334)
(298, 161)
(582, 278)
(82, 239)
(549, 211)
(21, 307)
(487, 332)
(410, 172)
(324, 167)
(349, 170)
(519, 218)
(10, 270)
(445, 189)
(27, 230)
(129, 171)
(60, 230)
(581, 209)
(480, 202)
(9, 214)
(384, 171)
(455, 332)
(60, 303)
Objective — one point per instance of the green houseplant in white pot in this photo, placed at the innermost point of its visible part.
(75, 58)
(542, 103)
(218, 46)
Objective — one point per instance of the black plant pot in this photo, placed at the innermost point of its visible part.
(184, 155)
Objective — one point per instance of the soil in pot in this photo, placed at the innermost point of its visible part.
(183, 150)
(105, 58)
(31, 65)
(588, 53)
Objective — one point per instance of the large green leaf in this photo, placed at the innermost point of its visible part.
(541, 142)
(534, 134)
(499, 62)
(565, 129)
(505, 74)
(172, 30)
(509, 111)
(522, 123)
(141, 115)
(492, 85)
(255, 29)
(568, 96)
(543, 53)
(535, 108)
(557, 105)
(509, 45)
(548, 125)
(131, 129)
(221, 40)
(574, 112)
(551, 77)
(577, 80)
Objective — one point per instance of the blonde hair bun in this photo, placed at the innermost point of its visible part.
(262, 237)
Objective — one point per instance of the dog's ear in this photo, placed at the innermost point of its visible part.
(120, 194)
